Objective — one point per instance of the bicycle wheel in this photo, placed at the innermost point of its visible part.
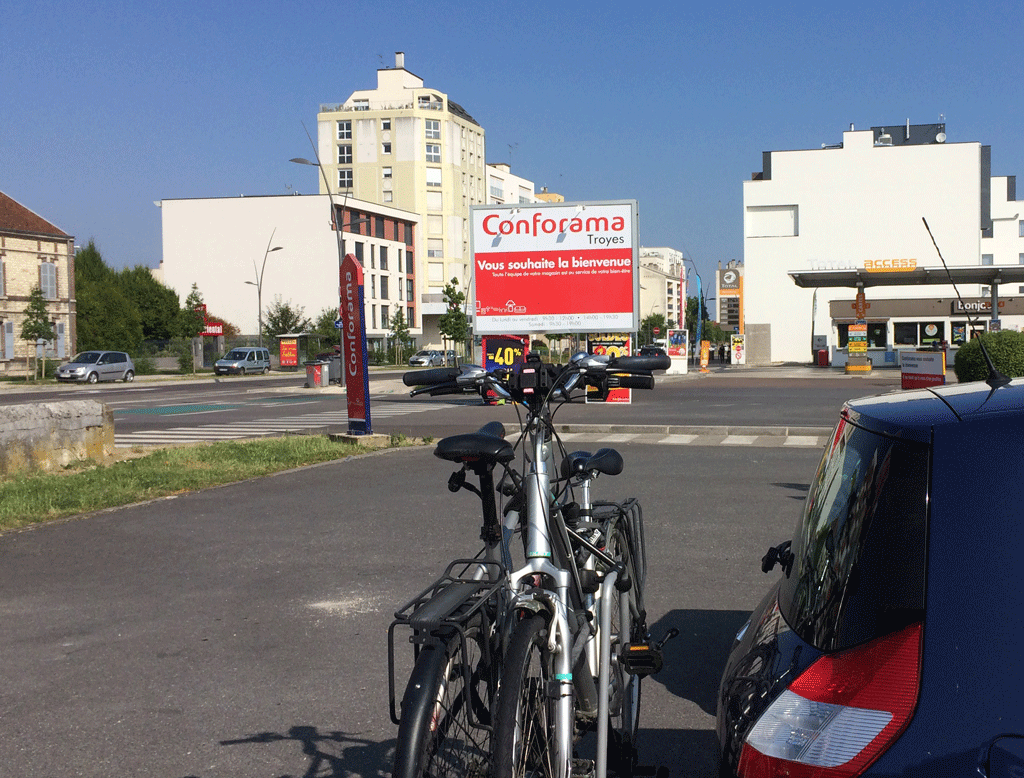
(439, 734)
(524, 720)
(624, 689)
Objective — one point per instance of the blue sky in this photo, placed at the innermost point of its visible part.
(108, 106)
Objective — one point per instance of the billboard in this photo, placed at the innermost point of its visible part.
(555, 267)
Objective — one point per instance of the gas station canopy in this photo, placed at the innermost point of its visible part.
(859, 277)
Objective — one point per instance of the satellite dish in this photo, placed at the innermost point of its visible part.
(940, 138)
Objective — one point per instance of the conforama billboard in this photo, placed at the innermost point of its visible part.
(556, 267)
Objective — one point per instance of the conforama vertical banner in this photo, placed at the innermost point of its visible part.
(556, 267)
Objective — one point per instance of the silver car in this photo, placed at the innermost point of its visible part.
(426, 359)
(94, 366)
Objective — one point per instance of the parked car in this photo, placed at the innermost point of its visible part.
(426, 359)
(891, 643)
(240, 361)
(94, 366)
(651, 351)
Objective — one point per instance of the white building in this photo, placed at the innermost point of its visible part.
(410, 146)
(221, 244)
(662, 282)
(504, 187)
(858, 206)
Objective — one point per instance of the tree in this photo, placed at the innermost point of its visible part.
(37, 325)
(192, 317)
(106, 319)
(158, 305)
(282, 318)
(399, 332)
(647, 327)
(453, 324)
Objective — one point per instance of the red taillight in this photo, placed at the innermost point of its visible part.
(841, 714)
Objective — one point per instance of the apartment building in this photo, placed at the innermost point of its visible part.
(411, 147)
(662, 284)
(847, 217)
(33, 252)
(505, 188)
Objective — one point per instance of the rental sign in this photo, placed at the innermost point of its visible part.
(556, 267)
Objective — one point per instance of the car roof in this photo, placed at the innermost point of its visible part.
(913, 414)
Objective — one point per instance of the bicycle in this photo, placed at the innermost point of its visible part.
(514, 664)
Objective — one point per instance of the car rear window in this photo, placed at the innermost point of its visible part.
(859, 548)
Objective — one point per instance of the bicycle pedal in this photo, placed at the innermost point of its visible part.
(583, 768)
(641, 659)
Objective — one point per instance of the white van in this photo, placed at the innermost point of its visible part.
(243, 360)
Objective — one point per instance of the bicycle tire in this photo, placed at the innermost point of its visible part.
(437, 736)
(624, 689)
(524, 731)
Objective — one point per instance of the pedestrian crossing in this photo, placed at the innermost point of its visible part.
(260, 428)
(777, 438)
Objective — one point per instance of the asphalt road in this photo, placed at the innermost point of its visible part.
(150, 412)
(241, 631)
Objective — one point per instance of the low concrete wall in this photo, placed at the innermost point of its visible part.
(48, 436)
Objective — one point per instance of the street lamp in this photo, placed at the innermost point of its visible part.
(258, 283)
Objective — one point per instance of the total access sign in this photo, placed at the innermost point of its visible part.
(556, 267)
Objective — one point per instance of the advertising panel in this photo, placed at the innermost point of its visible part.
(677, 347)
(922, 368)
(289, 352)
(613, 345)
(857, 339)
(555, 267)
(503, 351)
(739, 352)
(353, 333)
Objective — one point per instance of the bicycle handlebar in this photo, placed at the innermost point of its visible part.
(639, 364)
(631, 382)
(435, 377)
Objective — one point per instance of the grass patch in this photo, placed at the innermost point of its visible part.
(34, 498)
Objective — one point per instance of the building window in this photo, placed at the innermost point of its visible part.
(496, 191)
(378, 227)
(986, 290)
(345, 178)
(385, 124)
(362, 104)
(433, 152)
(932, 332)
(2, 277)
(433, 128)
(904, 333)
(435, 247)
(1020, 259)
(359, 252)
(386, 172)
(383, 257)
(373, 287)
(408, 289)
(385, 148)
(986, 259)
(388, 195)
(410, 313)
(48, 280)
(373, 317)
(433, 176)
(384, 288)
(1020, 227)
(345, 154)
(345, 130)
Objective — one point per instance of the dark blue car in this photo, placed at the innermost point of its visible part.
(892, 642)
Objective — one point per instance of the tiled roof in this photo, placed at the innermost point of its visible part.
(15, 217)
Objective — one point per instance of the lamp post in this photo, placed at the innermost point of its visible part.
(258, 283)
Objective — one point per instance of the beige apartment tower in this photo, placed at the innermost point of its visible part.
(411, 147)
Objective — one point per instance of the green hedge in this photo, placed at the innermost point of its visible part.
(1006, 349)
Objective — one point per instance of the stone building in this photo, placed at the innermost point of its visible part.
(33, 252)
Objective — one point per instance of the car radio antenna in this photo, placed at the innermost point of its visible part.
(995, 378)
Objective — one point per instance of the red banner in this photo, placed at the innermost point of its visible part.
(354, 358)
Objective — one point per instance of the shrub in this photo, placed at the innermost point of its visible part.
(1006, 349)
(144, 364)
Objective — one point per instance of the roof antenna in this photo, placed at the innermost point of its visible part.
(995, 378)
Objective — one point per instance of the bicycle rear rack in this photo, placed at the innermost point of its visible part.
(443, 609)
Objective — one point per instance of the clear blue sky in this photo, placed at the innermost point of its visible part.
(108, 106)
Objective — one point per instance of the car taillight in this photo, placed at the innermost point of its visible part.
(841, 714)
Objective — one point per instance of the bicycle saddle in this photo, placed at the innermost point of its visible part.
(606, 460)
(475, 446)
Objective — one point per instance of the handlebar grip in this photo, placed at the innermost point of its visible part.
(639, 364)
(633, 381)
(434, 377)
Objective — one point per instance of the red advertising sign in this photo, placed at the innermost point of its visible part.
(289, 352)
(353, 335)
(555, 267)
(612, 346)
